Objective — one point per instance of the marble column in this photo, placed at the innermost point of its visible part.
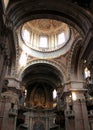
(80, 109)
(69, 114)
(8, 113)
(11, 99)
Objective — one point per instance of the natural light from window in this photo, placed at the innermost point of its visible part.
(41, 35)
(61, 38)
(74, 96)
(43, 42)
(54, 94)
(26, 35)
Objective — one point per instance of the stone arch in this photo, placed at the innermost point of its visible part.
(74, 58)
(56, 65)
(67, 12)
(77, 56)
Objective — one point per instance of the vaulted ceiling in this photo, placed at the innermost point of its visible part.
(76, 13)
(42, 73)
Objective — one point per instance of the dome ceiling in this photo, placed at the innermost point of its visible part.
(45, 35)
(46, 26)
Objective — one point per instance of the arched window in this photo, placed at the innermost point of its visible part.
(54, 94)
(43, 42)
(61, 38)
(26, 35)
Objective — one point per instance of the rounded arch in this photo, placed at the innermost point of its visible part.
(60, 68)
(66, 11)
(77, 58)
(73, 59)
